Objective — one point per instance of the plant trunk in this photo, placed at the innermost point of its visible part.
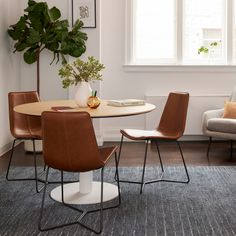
(38, 72)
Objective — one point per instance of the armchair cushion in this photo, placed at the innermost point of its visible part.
(209, 115)
(223, 125)
(230, 110)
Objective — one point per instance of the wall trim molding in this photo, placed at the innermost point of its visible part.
(180, 68)
(7, 147)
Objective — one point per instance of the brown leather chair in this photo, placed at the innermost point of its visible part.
(69, 144)
(24, 127)
(170, 128)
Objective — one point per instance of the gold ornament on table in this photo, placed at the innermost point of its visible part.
(93, 101)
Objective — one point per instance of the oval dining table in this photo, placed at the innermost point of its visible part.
(86, 191)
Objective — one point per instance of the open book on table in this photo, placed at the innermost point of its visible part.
(125, 102)
(62, 108)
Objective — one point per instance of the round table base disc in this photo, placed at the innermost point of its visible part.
(73, 196)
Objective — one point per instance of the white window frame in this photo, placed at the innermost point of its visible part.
(129, 64)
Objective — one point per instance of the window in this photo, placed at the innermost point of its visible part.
(153, 39)
(181, 32)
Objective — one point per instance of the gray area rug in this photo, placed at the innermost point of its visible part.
(205, 206)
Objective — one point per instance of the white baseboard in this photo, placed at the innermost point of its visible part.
(99, 139)
(113, 138)
(194, 138)
(7, 147)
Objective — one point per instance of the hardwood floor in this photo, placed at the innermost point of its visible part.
(194, 154)
(133, 152)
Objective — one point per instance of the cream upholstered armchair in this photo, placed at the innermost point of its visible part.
(215, 126)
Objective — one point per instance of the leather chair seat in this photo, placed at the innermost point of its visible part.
(222, 125)
(28, 134)
(106, 153)
(136, 134)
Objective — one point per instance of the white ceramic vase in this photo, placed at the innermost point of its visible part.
(83, 92)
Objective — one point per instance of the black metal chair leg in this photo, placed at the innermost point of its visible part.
(101, 205)
(9, 164)
(121, 143)
(144, 167)
(208, 149)
(185, 167)
(62, 188)
(21, 179)
(159, 155)
(43, 200)
(117, 177)
(35, 170)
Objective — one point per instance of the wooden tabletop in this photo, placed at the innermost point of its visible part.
(102, 111)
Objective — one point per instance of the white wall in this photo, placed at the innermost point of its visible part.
(9, 67)
(119, 83)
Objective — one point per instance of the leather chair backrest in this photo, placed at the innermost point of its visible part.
(69, 141)
(174, 115)
(20, 122)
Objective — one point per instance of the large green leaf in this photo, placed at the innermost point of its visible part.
(54, 14)
(30, 56)
(48, 38)
(60, 25)
(31, 2)
(38, 16)
(13, 34)
(78, 25)
(66, 47)
(21, 24)
(52, 46)
(20, 46)
(73, 49)
(34, 37)
(61, 35)
(77, 52)
(79, 36)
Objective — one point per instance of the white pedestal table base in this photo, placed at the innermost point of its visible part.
(72, 195)
(28, 146)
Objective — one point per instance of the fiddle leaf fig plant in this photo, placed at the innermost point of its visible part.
(41, 28)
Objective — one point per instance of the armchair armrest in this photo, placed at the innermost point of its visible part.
(208, 115)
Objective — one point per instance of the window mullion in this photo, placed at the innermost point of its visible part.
(179, 31)
(229, 30)
(129, 30)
